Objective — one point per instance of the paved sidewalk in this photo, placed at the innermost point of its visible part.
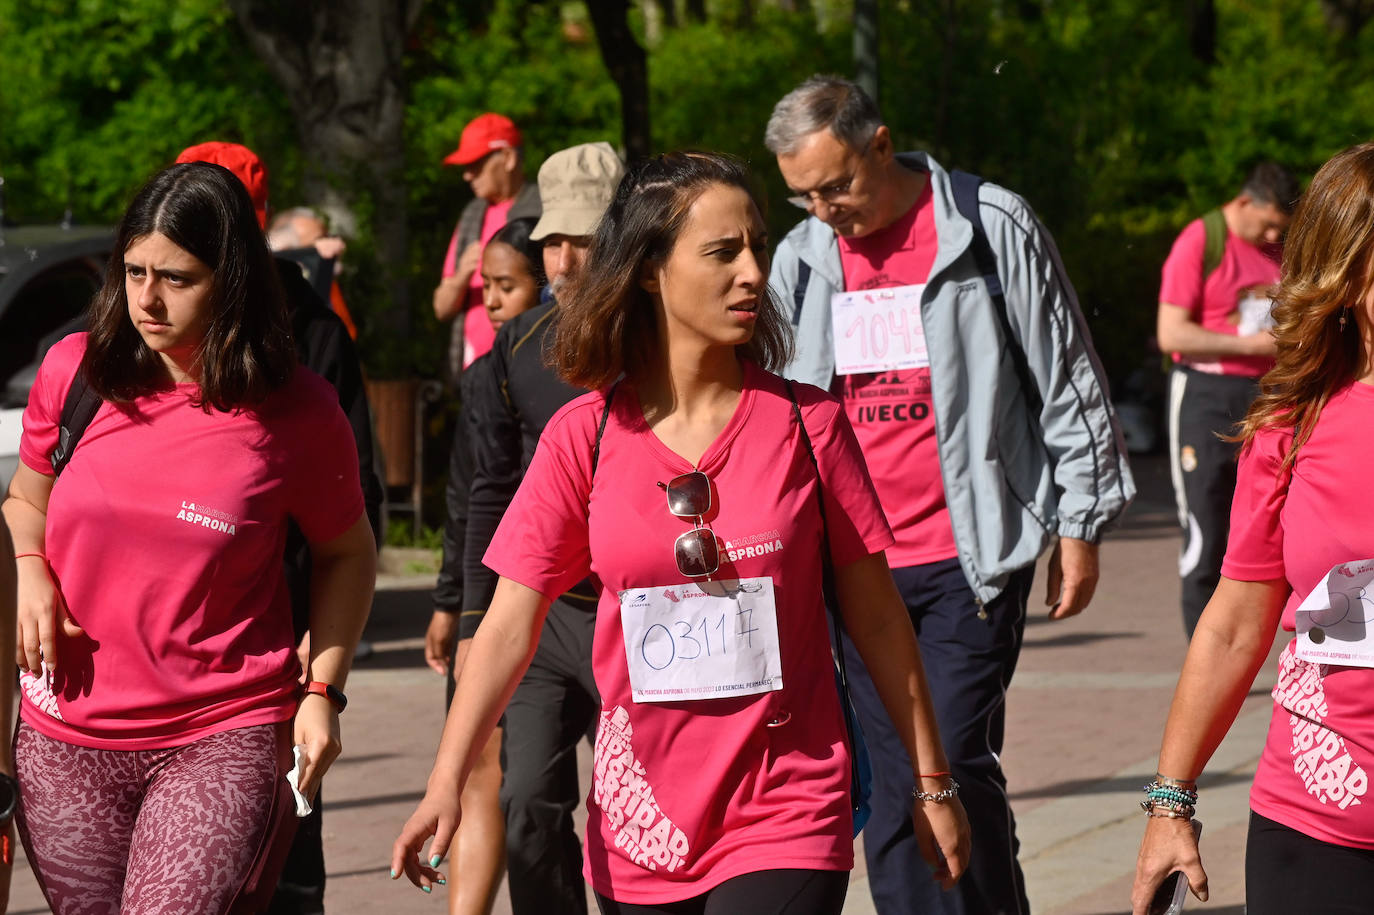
(1086, 711)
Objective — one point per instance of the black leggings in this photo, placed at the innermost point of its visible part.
(1287, 872)
(778, 892)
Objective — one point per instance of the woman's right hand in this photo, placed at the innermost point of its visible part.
(1169, 845)
(437, 815)
(41, 611)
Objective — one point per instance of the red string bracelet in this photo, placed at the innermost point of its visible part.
(935, 775)
(25, 555)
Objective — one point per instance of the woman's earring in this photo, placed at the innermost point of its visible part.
(1343, 311)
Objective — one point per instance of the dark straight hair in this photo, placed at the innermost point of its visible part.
(247, 352)
(516, 234)
(608, 324)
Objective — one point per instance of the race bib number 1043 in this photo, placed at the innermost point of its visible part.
(701, 641)
(878, 330)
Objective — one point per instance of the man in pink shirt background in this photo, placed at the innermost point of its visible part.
(490, 155)
(1213, 319)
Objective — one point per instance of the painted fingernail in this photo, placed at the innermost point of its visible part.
(427, 889)
(393, 873)
(434, 860)
(441, 881)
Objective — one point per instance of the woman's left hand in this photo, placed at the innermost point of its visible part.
(316, 729)
(942, 835)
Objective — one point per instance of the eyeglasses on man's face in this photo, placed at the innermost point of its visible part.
(831, 193)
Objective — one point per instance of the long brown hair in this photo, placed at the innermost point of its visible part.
(606, 322)
(1326, 270)
(247, 351)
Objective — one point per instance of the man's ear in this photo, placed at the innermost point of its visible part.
(510, 161)
(648, 277)
(881, 144)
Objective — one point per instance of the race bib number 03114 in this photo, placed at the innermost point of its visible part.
(701, 641)
(878, 330)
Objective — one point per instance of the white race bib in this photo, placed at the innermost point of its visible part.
(1255, 314)
(1336, 622)
(878, 330)
(703, 640)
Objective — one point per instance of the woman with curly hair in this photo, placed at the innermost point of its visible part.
(1299, 557)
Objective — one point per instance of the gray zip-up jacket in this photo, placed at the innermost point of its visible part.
(1012, 480)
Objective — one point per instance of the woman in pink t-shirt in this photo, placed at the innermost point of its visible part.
(1301, 557)
(721, 772)
(161, 690)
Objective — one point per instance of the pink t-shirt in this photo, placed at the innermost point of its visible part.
(1313, 774)
(688, 794)
(892, 412)
(166, 531)
(478, 334)
(1244, 268)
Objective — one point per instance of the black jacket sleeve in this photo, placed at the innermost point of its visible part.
(493, 431)
(448, 590)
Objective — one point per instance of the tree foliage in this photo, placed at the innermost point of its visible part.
(1119, 120)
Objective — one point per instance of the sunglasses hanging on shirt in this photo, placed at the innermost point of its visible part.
(697, 553)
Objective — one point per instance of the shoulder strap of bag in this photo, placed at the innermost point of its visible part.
(965, 186)
(78, 409)
(799, 290)
(601, 428)
(1214, 241)
(832, 604)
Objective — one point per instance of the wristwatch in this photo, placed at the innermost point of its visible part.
(330, 692)
(9, 802)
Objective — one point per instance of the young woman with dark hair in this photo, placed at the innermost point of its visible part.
(160, 683)
(721, 774)
(1298, 558)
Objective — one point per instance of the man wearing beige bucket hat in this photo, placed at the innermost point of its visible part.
(513, 397)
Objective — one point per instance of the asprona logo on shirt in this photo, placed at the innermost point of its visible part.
(753, 545)
(205, 516)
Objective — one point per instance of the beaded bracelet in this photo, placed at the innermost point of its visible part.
(1159, 791)
(1173, 813)
(936, 797)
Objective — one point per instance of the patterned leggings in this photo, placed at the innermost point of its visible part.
(141, 832)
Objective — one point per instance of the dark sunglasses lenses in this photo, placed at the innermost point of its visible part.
(697, 553)
(689, 495)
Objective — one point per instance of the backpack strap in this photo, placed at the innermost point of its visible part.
(78, 409)
(1214, 241)
(799, 290)
(832, 603)
(601, 428)
(965, 186)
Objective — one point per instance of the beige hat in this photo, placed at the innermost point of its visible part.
(575, 187)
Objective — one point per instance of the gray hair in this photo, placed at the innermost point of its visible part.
(819, 103)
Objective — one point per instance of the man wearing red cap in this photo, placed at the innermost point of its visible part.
(489, 154)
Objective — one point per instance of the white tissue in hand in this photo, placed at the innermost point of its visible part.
(293, 778)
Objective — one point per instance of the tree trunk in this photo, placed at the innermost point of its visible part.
(866, 46)
(1347, 17)
(1202, 30)
(629, 67)
(696, 10)
(340, 65)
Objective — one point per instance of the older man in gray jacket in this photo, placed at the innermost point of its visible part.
(937, 307)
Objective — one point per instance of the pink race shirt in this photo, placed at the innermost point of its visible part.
(688, 794)
(478, 335)
(892, 412)
(1214, 305)
(166, 532)
(1314, 773)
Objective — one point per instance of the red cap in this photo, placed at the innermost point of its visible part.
(240, 160)
(483, 134)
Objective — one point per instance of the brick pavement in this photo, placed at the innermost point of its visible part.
(1086, 711)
